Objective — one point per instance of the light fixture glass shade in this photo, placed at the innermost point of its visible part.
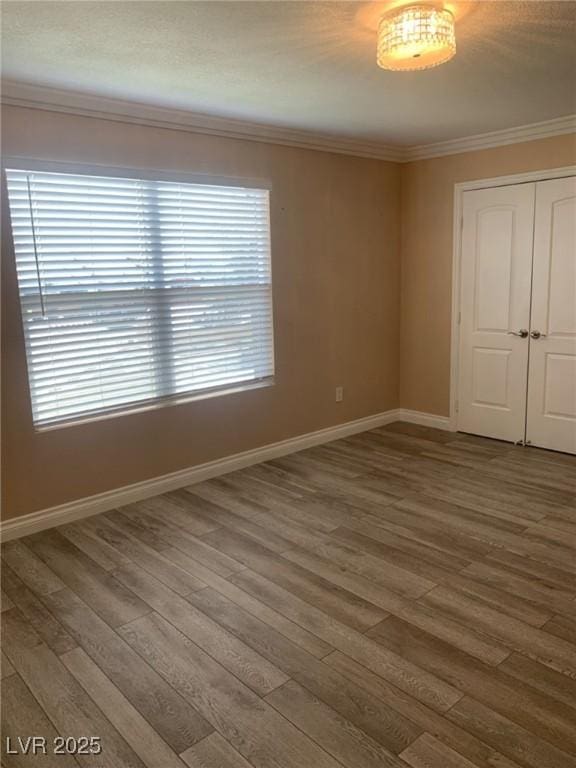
(416, 37)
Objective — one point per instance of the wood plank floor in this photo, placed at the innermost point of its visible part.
(403, 597)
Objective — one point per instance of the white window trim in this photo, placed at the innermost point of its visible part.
(27, 163)
(155, 405)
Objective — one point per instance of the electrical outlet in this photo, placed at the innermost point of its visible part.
(339, 394)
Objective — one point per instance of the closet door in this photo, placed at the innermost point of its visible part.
(551, 415)
(496, 268)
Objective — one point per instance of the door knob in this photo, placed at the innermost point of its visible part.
(537, 335)
(523, 333)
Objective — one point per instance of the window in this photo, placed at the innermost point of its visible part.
(135, 291)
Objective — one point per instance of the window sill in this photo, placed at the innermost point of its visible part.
(155, 405)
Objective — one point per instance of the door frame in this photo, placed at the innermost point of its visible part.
(458, 221)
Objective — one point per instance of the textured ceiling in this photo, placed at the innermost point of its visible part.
(308, 65)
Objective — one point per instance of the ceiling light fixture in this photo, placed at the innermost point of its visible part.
(416, 37)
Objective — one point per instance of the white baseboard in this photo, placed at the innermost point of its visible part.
(426, 419)
(103, 502)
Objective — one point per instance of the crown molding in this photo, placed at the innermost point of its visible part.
(89, 105)
(543, 130)
(119, 110)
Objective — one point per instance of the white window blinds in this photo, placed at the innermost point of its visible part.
(135, 290)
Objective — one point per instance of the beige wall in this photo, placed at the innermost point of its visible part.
(335, 238)
(338, 226)
(426, 244)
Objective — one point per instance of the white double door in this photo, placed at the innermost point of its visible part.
(517, 356)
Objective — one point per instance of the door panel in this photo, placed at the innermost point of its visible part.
(551, 415)
(490, 376)
(497, 237)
